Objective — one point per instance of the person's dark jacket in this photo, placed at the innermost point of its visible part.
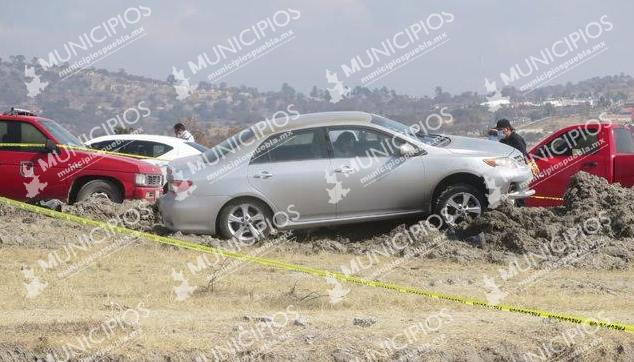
(516, 141)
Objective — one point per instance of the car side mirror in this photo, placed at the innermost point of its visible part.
(408, 150)
(50, 146)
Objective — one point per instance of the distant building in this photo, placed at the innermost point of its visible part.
(567, 102)
(495, 104)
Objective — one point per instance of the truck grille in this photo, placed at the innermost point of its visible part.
(154, 180)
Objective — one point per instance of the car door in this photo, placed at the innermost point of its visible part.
(372, 176)
(623, 156)
(29, 173)
(582, 148)
(10, 161)
(290, 170)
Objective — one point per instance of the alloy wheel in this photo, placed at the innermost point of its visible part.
(460, 206)
(247, 222)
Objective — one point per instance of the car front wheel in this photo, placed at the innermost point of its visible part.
(460, 202)
(100, 187)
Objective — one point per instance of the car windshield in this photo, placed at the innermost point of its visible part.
(197, 146)
(230, 145)
(427, 138)
(60, 133)
(431, 139)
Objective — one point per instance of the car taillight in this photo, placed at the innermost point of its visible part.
(180, 185)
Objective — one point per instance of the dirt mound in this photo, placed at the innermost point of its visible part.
(589, 194)
(134, 214)
(593, 228)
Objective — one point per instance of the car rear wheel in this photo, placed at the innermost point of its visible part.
(245, 220)
(100, 187)
(459, 202)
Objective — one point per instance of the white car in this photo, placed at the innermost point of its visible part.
(161, 148)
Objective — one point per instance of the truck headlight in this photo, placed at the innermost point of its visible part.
(148, 180)
(500, 162)
(140, 179)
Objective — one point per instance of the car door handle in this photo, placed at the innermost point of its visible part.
(591, 164)
(263, 175)
(344, 169)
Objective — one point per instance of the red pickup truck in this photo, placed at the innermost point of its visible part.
(603, 149)
(40, 160)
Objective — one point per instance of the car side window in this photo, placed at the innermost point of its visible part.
(21, 133)
(576, 142)
(146, 148)
(349, 142)
(624, 140)
(159, 149)
(291, 146)
(111, 146)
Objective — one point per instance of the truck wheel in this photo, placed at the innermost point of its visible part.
(100, 187)
(457, 202)
(245, 220)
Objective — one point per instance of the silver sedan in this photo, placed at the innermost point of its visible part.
(334, 168)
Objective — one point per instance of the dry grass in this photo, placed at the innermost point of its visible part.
(142, 273)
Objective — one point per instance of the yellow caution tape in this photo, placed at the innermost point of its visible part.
(22, 144)
(79, 148)
(546, 198)
(322, 273)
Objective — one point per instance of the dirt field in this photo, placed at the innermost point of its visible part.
(75, 292)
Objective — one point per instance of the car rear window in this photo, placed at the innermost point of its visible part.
(624, 141)
(230, 145)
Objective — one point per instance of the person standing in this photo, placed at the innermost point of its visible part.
(510, 137)
(182, 132)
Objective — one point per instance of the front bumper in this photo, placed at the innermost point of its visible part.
(520, 194)
(508, 184)
(150, 194)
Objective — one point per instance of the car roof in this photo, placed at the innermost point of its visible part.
(319, 119)
(21, 118)
(602, 124)
(140, 137)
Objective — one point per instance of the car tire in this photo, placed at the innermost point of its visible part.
(452, 208)
(232, 224)
(100, 187)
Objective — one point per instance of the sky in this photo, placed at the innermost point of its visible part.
(465, 42)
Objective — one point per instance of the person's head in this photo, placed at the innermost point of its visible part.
(345, 143)
(179, 128)
(505, 126)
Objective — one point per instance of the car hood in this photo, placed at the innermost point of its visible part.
(109, 162)
(477, 147)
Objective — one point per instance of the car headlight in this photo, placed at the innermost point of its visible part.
(500, 162)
